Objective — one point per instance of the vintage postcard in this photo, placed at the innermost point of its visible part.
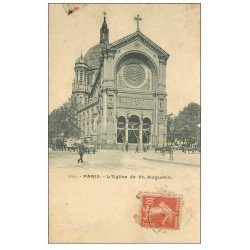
(124, 123)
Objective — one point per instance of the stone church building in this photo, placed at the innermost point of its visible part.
(120, 90)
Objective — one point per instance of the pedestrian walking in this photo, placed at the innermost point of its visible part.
(81, 152)
(126, 147)
(137, 149)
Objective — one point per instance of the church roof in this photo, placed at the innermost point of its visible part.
(93, 55)
(138, 36)
(104, 25)
(80, 60)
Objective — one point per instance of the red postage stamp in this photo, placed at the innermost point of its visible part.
(160, 211)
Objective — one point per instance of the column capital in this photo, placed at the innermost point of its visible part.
(142, 116)
(162, 58)
(108, 53)
(127, 115)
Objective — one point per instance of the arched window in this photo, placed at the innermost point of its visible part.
(161, 103)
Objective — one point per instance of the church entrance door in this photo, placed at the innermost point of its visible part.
(146, 130)
(133, 129)
(121, 126)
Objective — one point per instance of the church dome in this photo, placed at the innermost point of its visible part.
(93, 55)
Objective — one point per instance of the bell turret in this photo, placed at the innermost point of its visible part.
(104, 31)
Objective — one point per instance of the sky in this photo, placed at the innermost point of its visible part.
(174, 27)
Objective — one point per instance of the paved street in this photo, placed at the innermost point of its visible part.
(117, 160)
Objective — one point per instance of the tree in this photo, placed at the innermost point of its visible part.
(186, 124)
(63, 121)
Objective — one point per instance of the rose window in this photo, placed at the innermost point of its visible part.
(134, 74)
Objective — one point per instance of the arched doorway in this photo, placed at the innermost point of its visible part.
(133, 129)
(121, 126)
(146, 130)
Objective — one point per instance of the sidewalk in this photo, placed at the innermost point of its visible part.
(180, 158)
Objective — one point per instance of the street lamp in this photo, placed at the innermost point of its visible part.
(167, 120)
(171, 156)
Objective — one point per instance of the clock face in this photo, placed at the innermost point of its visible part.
(134, 74)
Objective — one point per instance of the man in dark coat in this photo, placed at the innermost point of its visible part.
(126, 147)
(81, 152)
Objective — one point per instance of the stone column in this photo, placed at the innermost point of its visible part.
(104, 124)
(151, 135)
(85, 123)
(156, 116)
(76, 76)
(162, 72)
(111, 55)
(140, 130)
(82, 124)
(90, 122)
(95, 124)
(115, 128)
(164, 75)
(108, 73)
(126, 131)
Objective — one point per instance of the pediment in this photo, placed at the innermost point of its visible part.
(138, 36)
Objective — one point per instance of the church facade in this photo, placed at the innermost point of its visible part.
(120, 90)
